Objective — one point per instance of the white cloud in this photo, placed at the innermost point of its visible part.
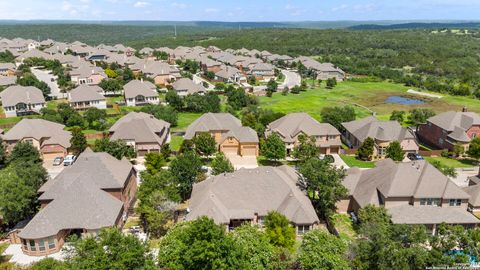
(341, 7)
(141, 4)
(211, 10)
(178, 5)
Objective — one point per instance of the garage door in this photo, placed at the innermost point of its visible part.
(249, 151)
(52, 156)
(230, 150)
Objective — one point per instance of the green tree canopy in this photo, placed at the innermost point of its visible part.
(395, 151)
(117, 148)
(205, 144)
(24, 152)
(398, 116)
(220, 164)
(186, 169)
(338, 115)
(306, 148)
(365, 151)
(78, 141)
(274, 148)
(279, 230)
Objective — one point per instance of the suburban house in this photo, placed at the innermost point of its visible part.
(21, 100)
(162, 73)
(448, 129)
(382, 132)
(289, 127)
(228, 74)
(186, 86)
(248, 195)
(412, 192)
(91, 75)
(263, 71)
(140, 92)
(96, 192)
(142, 131)
(324, 70)
(50, 138)
(85, 96)
(7, 69)
(231, 137)
(6, 81)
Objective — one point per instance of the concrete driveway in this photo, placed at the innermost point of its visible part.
(52, 171)
(238, 162)
(339, 162)
(199, 80)
(292, 79)
(462, 176)
(45, 76)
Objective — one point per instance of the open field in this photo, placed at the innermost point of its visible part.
(371, 95)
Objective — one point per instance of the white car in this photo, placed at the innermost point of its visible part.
(69, 160)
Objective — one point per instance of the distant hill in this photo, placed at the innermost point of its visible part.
(415, 25)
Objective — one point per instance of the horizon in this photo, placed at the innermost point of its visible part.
(246, 11)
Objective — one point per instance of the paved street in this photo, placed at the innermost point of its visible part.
(45, 76)
(292, 79)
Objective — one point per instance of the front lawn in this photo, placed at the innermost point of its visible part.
(450, 162)
(352, 161)
(184, 120)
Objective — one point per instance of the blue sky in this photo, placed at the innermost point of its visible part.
(240, 10)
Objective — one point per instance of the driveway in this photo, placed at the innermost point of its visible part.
(52, 171)
(462, 176)
(292, 79)
(238, 162)
(339, 162)
(45, 76)
(199, 80)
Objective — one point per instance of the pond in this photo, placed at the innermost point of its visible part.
(404, 100)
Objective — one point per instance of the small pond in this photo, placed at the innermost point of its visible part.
(404, 100)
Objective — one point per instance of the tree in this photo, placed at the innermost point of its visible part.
(272, 86)
(395, 151)
(306, 148)
(321, 250)
(48, 264)
(154, 162)
(205, 144)
(174, 100)
(186, 170)
(110, 73)
(220, 164)
(338, 115)
(474, 150)
(323, 183)
(419, 116)
(279, 230)
(199, 244)
(249, 120)
(331, 83)
(255, 247)
(111, 86)
(166, 113)
(3, 154)
(95, 118)
(117, 148)
(78, 142)
(111, 249)
(24, 152)
(365, 151)
(158, 212)
(274, 147)
(398, 116)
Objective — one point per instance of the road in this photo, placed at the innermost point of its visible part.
(292, 79)
(46, 77)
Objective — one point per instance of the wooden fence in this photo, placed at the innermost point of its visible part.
(95, 136)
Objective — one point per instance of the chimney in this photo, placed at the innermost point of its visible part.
(464, 109)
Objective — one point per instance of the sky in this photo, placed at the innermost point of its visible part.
(240, 10)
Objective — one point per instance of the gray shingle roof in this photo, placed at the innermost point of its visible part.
(140, 127)
(78, 196)
(212, 121)
(376, 129)
(186, 84)
(7, 80)
(86, 93)
(21, 94)
(450, 120)
(292, 124)
(51, 132)
(241, 194)
(136, 87)
(431, 215)
(242, 134)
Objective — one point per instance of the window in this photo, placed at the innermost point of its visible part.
(24, 244)
(455, 202)
(423, 201)
(303, 229)
(41, 245)
(32, 245)
(51, 242)
(430, 201)
(440, 140)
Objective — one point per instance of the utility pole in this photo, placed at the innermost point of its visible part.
(175, 25)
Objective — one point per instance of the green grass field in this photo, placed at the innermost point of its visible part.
(176, 142)
(352, 161)
(184, 120)
(450, 162)
(371, 95)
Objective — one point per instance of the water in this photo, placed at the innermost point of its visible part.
(404, 100)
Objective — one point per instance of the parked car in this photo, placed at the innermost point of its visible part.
(57, 161)
(69, 160)
(414, 156)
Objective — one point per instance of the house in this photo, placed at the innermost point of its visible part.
(33, 54)
(85, 74)
(210, 65)
(382, 132)
(146, 51)
(292, 125)
(50, 138)
(162, 73)
(140, 92)
(448, 129)
(248, 195)
(412, 192)
(6, 81)
(7, 69)
(231, 137)
(96, 192)
(186, 86)
(85, 96)
(228, 74)
(21, 100)
(142, 131)
(98, 54)
(263, 71)
(324, 70)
